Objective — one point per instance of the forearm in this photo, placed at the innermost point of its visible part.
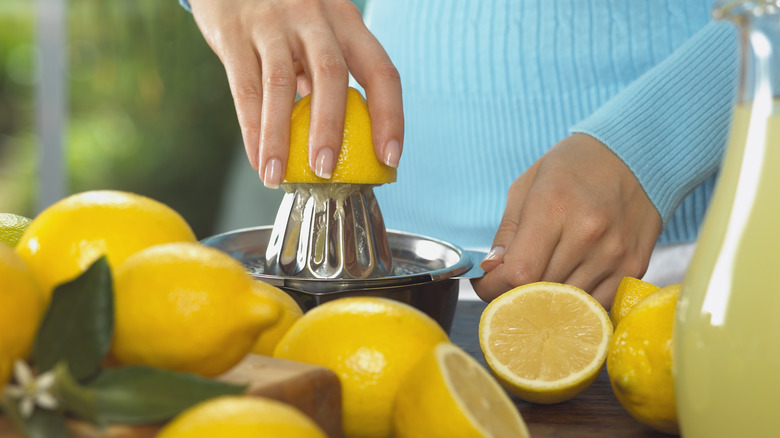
(670, 126)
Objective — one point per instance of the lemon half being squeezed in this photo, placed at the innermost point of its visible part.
(357, 162)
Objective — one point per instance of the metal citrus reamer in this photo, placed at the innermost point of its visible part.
(329, 231)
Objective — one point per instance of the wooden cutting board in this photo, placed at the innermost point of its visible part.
(314, 390)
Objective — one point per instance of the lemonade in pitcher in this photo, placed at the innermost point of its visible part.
(727, 327)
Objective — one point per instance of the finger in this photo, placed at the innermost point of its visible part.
(525, 259)
(601, 272)
(244, 79)
(572, 251)
(588, 276)
(372, 68)
(563, 262)
(329, 76)
(604, 292)
(634, 266)
(279, 85)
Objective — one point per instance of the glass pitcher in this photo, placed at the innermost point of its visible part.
(727, 327)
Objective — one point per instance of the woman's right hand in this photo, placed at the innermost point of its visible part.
(272, 49)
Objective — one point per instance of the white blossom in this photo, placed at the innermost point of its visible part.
(31, 391)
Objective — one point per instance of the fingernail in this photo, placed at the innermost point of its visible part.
(496, 253)
(324, 163)
(272, 177)
(392, 153)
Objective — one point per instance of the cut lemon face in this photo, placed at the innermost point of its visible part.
(545, 342)
(449, 394)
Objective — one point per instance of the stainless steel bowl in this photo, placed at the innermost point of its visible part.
(425, 274)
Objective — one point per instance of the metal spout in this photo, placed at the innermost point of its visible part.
(329, 231)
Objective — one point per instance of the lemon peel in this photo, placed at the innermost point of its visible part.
(67, 237)
(639, 363)
(187, 307)
(370, 343)
(630, 291)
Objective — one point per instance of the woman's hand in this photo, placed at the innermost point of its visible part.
(273, 48)
(577, 216)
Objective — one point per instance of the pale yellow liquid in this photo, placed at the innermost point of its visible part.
(727, 331)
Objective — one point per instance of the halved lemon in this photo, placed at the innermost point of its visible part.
(357, 162)
(449, 394)
(545, 342)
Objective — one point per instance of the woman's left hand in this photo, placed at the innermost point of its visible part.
(577, 216)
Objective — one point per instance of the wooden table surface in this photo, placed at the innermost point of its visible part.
(593, 413)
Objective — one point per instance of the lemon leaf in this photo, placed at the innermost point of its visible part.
(79, 323)
(137, 394)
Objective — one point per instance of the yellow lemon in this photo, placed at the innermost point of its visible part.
(290, 312)
(187, 307)
(370, 343)
(448, 394)
(11, 227)
(66, 238)
(546, 342)
(21, 308)
(241, 417)
(357, 162)
(639, 363)
(629, 292)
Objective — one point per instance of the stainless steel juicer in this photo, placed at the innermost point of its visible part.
(329, 231)
(329, 241)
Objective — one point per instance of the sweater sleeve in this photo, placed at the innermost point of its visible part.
(185, 4)
(670, 126)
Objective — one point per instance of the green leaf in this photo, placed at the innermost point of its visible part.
(138, 394)
(41, 424)
(79, 323)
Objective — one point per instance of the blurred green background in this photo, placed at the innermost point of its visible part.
(149, 112)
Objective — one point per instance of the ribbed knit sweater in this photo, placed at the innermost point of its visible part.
(490, 86)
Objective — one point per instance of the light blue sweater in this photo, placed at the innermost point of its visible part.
(489, 86)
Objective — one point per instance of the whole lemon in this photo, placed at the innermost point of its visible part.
(66, 238)
(639, 362)
(241, 417)
(12, 227)
(370, 343)
(290, 312)
(357, 162)
(21, 308)
(187, 307)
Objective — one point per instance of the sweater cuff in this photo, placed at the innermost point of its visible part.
(670, 126)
